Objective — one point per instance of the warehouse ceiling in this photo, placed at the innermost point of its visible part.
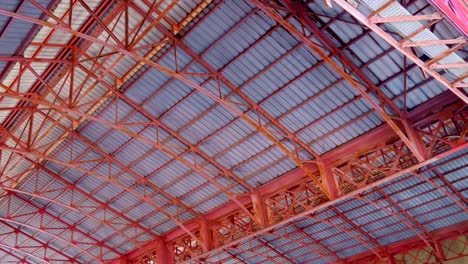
(146, 131)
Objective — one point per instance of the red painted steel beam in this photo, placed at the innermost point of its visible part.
(436, 156)
(456, 11)
(339, 155)
(456, 87)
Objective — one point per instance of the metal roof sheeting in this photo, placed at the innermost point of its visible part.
(260, 61)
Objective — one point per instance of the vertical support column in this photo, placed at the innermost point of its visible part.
(259, 209)
(439, 251)
(329, 180)
(206, 235)
(164, 254)
(413, 136)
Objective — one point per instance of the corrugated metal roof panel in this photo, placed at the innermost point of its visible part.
(353, 251)
(187, 184)
(452, 216)
(267, 171)
(165, 227)
(212, 203)
(216, 24)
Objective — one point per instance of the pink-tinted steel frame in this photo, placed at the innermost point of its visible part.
(179, 76)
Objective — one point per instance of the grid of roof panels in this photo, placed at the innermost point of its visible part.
(140, 152)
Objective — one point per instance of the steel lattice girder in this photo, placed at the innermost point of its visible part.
(352, 180)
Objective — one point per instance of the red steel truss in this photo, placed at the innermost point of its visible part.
(407, 144)
(442, 133)
(433, 67)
